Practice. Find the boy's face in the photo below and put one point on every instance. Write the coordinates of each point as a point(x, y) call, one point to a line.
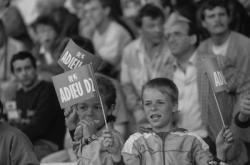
point(158, 108)
point(216, 20)
point(92, 109)
point(46, 35)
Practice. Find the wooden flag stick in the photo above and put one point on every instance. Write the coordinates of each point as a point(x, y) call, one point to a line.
point(223, 122)
point(98, 93)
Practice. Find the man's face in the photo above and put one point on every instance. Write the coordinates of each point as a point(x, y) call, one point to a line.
point(46, 35)
point(25, 72)
point(179, 40)
point(152, 29)
point(216, 20)
point(158, 108)
point(94, 11)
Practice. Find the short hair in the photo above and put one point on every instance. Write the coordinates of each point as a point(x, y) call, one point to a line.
point(107, 89)
point(21, 56)
point(211, 4)
point(164, 85)
point(149, 10)
point(46, 20)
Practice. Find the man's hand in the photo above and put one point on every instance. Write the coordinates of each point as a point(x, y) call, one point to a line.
point(244, 108)
point(224, 141)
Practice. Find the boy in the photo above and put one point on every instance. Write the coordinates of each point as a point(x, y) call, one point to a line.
point(163, 143)
point(93, 143)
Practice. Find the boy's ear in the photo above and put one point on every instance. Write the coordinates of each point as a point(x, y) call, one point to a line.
point(175, 108)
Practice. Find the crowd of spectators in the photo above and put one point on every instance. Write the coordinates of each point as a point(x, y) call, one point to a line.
point(146, 46)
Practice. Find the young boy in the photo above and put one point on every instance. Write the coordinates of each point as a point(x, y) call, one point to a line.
point(163, 143)
point(94, 144)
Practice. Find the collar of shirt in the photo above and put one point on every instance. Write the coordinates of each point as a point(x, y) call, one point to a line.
point(191, 62)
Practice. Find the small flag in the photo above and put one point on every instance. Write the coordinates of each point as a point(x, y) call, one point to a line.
point(215, 75)
point(75, 86)
point(74, 57)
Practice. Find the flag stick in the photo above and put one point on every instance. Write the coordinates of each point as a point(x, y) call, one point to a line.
point(223, 122)
point(98, 93)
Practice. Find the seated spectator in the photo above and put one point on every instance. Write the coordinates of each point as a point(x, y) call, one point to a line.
point(47, 48)
point(41, 118)
point(145, 58)
point(109, 37)
point(94, 144)
point(164, 143)
point(15, 147)
point(8, 47)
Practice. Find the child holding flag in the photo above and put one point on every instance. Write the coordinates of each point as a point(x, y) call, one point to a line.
point(93, 143)
point(163, 143)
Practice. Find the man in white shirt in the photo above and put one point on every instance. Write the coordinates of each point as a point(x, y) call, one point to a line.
point(198, 112)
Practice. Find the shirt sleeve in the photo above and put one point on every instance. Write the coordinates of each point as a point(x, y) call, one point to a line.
point(21, 152)
point(130, 152)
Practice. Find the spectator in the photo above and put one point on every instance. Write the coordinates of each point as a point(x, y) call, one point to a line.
point(199, 113)
point(164, 143)
point(109, 37)
point(145, 58)
point(41, 118)
point(232, 45)
point(47, 50)
point(94, 144)
point(16, 28)
point(15, 147)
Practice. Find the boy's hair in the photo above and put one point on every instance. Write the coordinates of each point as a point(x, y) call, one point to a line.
point(46, 20)
point(149, 10)
point(107, 89)
point(21, 56)
point(164, 85)
point(211, 4)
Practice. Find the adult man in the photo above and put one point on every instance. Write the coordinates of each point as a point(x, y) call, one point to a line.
point(232, 45)
point(15, 147)
point(41, 118)
point(198, 111)
point(145, 58)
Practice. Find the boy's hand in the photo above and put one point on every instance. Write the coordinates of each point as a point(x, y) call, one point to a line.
point(224, 141)
point(71, 118)
point(244, 107)
point(109, 144)
point(108, 139)
point(85, 128)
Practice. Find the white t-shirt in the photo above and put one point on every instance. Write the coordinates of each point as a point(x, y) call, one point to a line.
point(222, 49)
point(110, 44)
